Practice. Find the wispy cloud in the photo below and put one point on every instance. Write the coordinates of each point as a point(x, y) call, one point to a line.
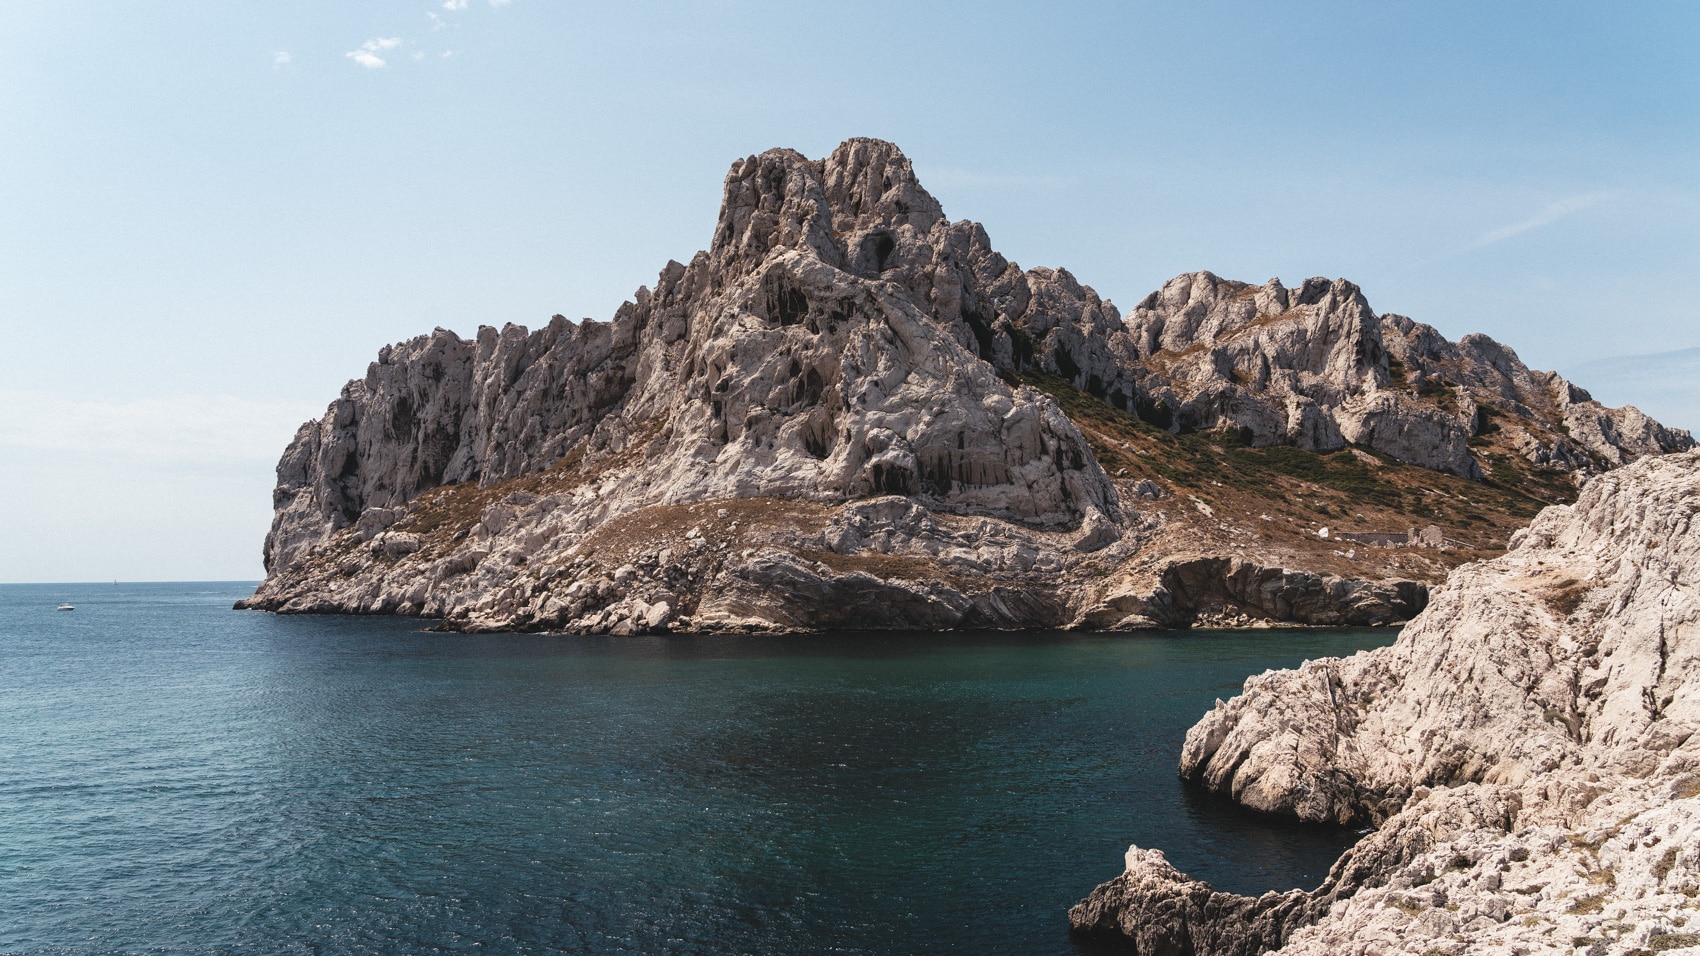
point(454, 4)
point(280, 59)
point(1546, 217)
point(367, 56)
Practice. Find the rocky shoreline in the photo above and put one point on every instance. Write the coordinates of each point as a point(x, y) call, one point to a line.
point(1528, 750)
point(743, 566)
point(851, 412)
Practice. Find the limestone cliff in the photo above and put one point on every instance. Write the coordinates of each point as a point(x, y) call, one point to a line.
point(1529, 749)
point(1314, 367)
point(851, 408)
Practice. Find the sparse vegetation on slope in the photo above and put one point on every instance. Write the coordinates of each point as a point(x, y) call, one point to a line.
point(1351, 489)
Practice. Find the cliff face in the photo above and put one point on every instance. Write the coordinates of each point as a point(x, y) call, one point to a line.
point(784, 372)
point(1314, 367)
point(1529, 748)
point(865, 370)
point(785, 362)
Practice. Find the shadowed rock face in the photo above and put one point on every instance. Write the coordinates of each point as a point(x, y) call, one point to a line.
point(841, 342)
point(1529, 749)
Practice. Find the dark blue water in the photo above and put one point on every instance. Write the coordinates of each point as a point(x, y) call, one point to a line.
point(179, 777)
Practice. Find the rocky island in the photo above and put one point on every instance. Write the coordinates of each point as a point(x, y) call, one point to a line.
point(850, 410)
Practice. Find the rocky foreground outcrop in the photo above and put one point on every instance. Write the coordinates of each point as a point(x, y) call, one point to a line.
point(1529, 751)
point(831, 415)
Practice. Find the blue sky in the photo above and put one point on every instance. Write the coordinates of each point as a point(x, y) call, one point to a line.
point(216, 213)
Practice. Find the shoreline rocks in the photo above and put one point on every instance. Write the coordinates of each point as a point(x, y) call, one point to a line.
point(1529, 750)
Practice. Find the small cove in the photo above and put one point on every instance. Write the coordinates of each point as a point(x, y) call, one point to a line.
point(189, 778)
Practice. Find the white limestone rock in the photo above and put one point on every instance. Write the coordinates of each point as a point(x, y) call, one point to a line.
point(841, 341)
point(1529, 749)
point(1315, 368)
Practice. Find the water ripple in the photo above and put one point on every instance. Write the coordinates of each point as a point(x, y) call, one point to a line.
point(182, 778)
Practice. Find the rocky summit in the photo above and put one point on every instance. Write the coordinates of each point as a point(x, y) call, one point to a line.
point(851, 411)
point(1528, 751)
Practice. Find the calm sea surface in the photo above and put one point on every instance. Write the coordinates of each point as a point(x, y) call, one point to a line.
point(178, 777)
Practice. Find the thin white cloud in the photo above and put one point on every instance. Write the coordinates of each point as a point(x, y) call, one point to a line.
point(1554, 212)
point(418, 55)
point(280, 58)
point(454, 4)
point(1546, 217)
point(367, 56)
point(446, 54)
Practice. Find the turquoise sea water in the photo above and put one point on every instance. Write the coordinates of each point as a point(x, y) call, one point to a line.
point(178, 777)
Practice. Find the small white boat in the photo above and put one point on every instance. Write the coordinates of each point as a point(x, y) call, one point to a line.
point(67, 607)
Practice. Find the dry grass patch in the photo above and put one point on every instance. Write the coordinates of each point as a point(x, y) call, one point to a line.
point(1587, 905)
point(1666, 863)
point(1565, 596)
point(648, 530)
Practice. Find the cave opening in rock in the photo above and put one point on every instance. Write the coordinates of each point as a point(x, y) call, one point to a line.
point(786, 304)
point(984, 338)
point(1066, 366)
point(884, 246)
point(893, 480)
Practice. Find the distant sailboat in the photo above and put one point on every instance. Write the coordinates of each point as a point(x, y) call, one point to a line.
point(67, 607)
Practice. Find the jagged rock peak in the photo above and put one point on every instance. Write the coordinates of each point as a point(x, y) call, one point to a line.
point(869, 182)
point(824, 352)
point(864, 193)
point(1315, 367)
point(1312, 366)
point(842, 346)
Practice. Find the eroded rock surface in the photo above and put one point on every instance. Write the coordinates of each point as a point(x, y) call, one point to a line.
point(1315, 368)
point(1528, 749)
point(851, 378)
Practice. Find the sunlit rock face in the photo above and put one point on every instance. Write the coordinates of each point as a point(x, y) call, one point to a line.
point(1314, 367)
point(1529, 751)
point(842, 343)
point(800, 359)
